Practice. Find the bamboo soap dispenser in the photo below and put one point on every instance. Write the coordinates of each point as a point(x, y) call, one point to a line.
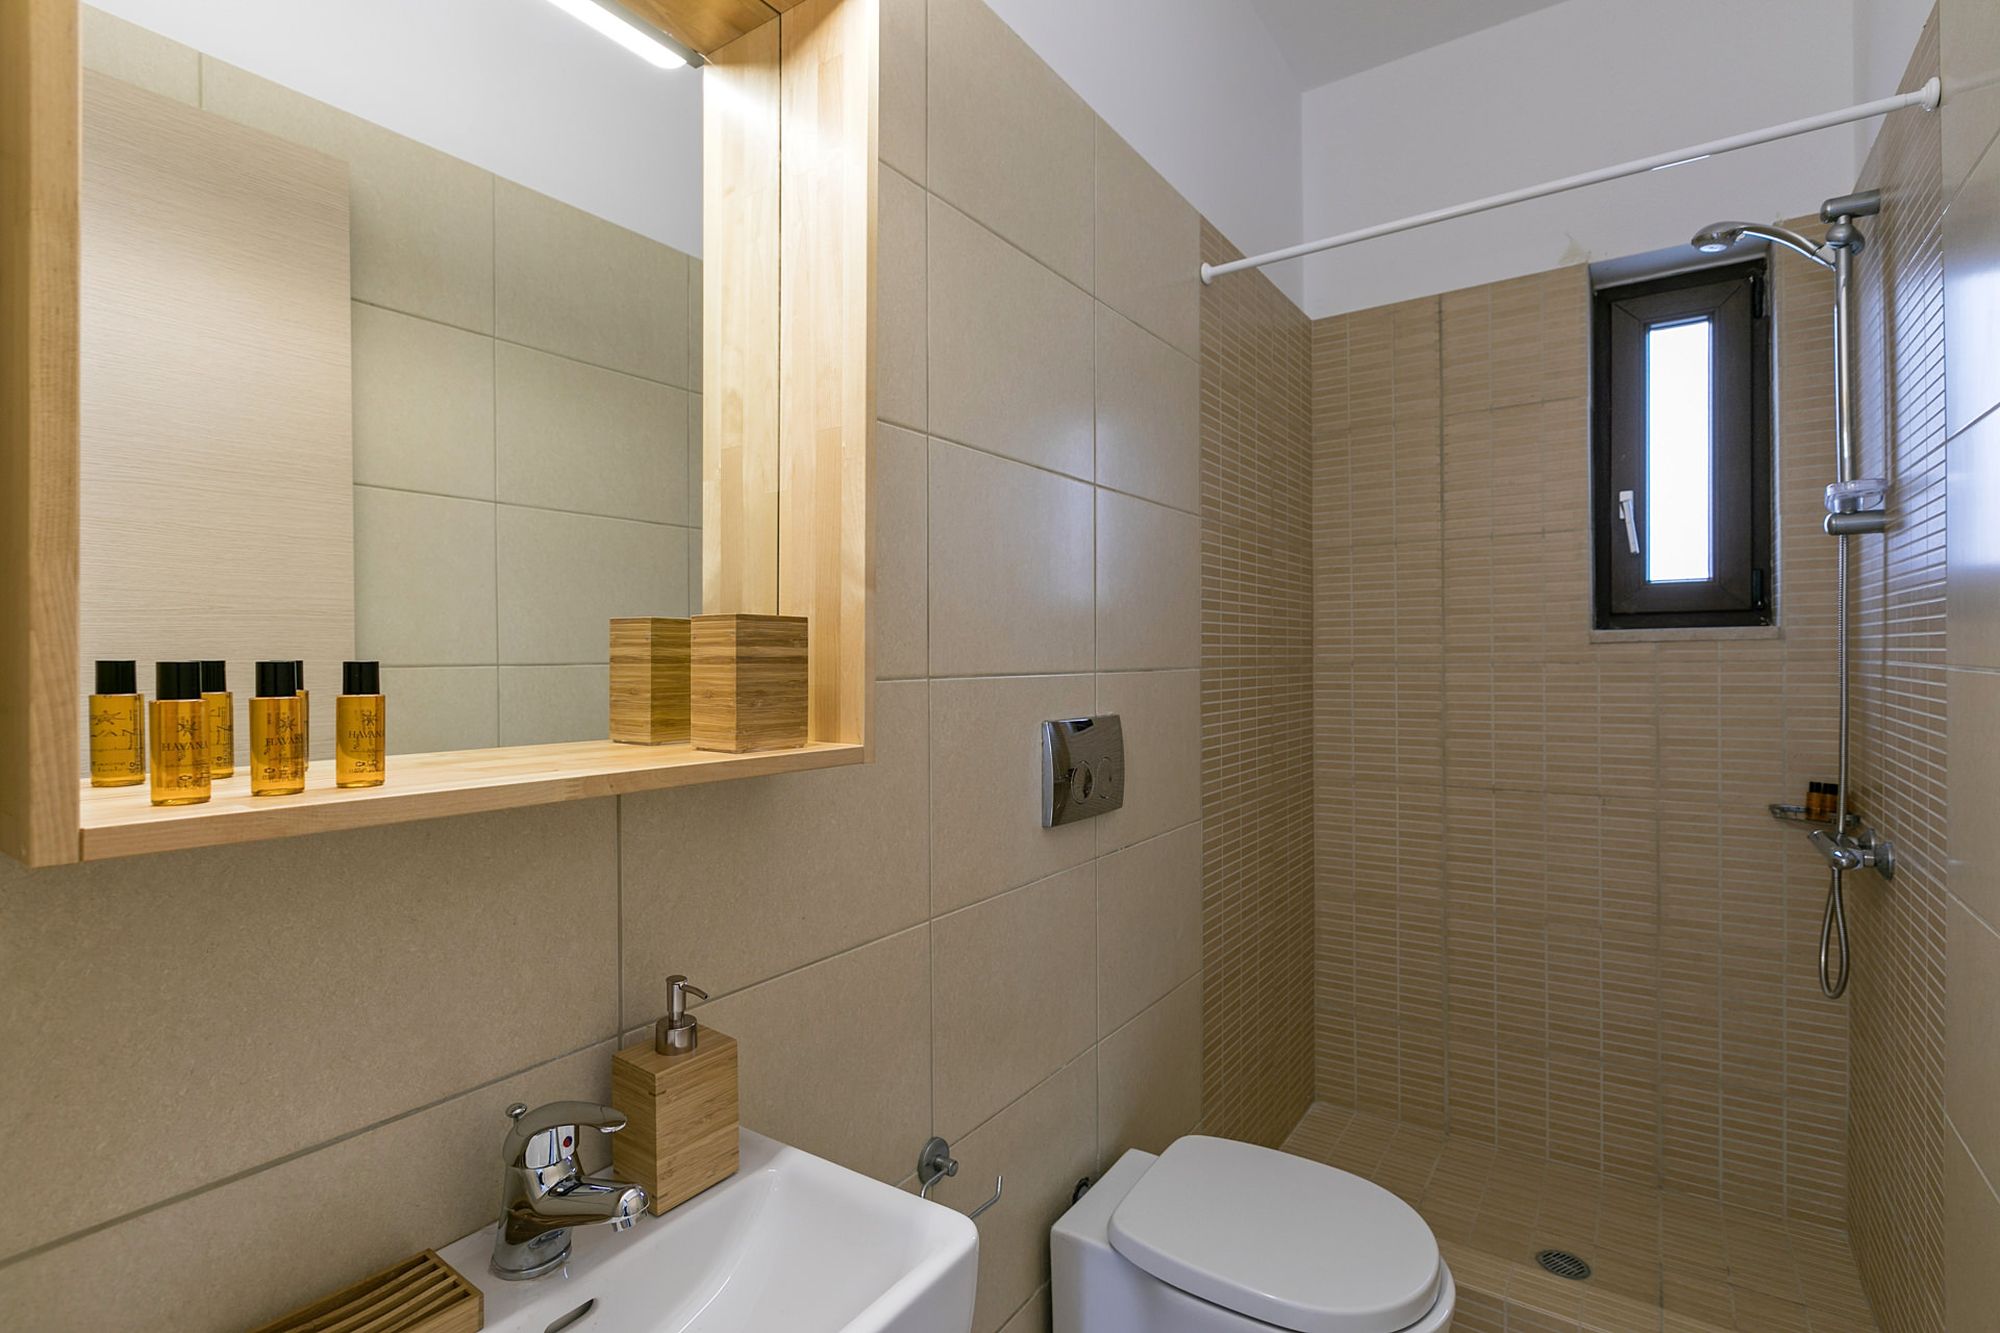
point(678, 1093)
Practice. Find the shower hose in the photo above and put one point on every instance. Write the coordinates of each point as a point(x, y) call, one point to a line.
point(1833, 923)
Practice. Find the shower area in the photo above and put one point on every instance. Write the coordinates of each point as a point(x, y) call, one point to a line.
point(1562, 965)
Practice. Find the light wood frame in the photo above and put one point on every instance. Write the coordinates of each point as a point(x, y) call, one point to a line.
point(789, 321)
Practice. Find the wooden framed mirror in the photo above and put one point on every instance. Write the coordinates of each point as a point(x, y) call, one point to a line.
point(205, 333)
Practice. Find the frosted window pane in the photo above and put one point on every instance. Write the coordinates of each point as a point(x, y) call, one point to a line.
point(1680, 461)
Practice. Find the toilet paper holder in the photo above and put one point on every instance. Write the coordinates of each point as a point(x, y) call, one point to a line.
point(935, 1163)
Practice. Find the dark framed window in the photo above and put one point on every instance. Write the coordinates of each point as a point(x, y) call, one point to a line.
point(1681, 450)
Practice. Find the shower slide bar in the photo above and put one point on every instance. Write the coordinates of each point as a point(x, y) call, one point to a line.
point(1928, 97)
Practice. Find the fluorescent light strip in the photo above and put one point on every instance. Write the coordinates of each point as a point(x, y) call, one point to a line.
point(640, 43)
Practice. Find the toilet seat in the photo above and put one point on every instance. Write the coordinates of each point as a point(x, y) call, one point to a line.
point(1280, 1239)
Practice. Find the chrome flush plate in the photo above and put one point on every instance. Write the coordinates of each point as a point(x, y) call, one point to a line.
point(1083, 768)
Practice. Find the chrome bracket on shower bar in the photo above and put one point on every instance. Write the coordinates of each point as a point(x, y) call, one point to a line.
point(1853, 851)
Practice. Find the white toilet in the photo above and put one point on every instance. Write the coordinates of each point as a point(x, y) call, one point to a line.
point(1215, 1236)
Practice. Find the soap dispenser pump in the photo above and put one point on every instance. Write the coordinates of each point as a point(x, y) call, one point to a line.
point(678, 1031)
point(678, 1093)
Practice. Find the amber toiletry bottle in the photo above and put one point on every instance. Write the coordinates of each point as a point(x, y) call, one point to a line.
point(117, 727)
point(277, 752)
point(360, 727)
point(221, 719)
point(179, 735)
point(305, 715)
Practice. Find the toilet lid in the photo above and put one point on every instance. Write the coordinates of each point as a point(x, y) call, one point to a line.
point(1279, 1238)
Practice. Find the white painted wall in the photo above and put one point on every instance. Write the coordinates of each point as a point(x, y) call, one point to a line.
point(1885, 35)
point(1583, 84)
point(514, 86)
point(1201, 90)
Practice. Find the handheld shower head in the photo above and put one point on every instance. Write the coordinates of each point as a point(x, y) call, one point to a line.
point(1713, 240)
point(1720, 236)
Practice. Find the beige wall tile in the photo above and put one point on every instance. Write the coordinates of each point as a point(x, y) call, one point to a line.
point(1148, 581)
point(441, 708)
point(1969, 56)
point(1971, 1056)
point(1013, 997)
point(902, 283)
point(139, 56)
point(574, 284)
point(1971, 316)
point(1148, 245)
point(1161, 712)
point(246, 1252)
point(1149, 1077)
point(1008, 142)
point(903, 80)
point(1032, 1317)
point(986, 800)
point(1148, 923)
point(1148, 415)
point(562, 577)
point(1010, 567)
point(735, 884)
point(423, 405)
point(1973, 586)
point(1971, 1238)
point(421, 221)
point(832, 1057)
point(423, 579)
point(543, 704)
point(289, 966)
point(1010, 349)
point(902, 553)
point(571, 436)
point(1974, 709)
point(1043, 1144)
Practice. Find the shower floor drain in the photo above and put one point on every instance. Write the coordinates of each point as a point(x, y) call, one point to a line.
point(1563, 1264)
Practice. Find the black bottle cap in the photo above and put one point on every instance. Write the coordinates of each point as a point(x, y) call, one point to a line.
point(214, 677)
point(177, 680)
point(360, 677)
point(277, 680)
point(298, 674)
point(117, 677)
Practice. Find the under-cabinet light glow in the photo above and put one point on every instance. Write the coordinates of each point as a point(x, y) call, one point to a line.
point(628, 35)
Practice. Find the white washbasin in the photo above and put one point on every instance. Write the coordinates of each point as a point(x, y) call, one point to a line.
point(789, 1242)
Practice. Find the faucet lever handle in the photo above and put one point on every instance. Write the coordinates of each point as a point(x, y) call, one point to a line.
point(555, 1115)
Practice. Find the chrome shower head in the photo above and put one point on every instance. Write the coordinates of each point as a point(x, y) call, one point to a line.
point(1713, 240)
point(1719, 237)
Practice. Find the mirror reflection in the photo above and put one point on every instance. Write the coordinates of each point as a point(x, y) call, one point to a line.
point(390, 349)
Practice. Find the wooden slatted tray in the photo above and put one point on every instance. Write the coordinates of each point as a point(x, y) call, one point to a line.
point(422, 1294)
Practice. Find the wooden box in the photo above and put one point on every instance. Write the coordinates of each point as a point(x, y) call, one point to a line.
point(749, 682)
point(422, 1294)
point(680, 1117)
point(649, 680)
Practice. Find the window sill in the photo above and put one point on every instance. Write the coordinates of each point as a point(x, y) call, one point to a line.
point(1692, 634)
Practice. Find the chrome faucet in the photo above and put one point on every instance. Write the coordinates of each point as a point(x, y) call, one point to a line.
point(543, 1192)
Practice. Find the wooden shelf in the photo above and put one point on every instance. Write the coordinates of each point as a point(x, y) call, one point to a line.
point(122, 821)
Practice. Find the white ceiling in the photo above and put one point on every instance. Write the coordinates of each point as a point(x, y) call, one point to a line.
point(1326, 40)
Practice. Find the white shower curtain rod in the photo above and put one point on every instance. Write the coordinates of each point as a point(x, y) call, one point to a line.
point(1926, 97)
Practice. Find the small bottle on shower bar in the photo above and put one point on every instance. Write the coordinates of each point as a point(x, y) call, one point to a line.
point(117, 727)
point(1815, 800)
point(180, 735)
point(277, 762)
point(360, 727)
point(221, 719)
point(305, 715)
point(1830, 809)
